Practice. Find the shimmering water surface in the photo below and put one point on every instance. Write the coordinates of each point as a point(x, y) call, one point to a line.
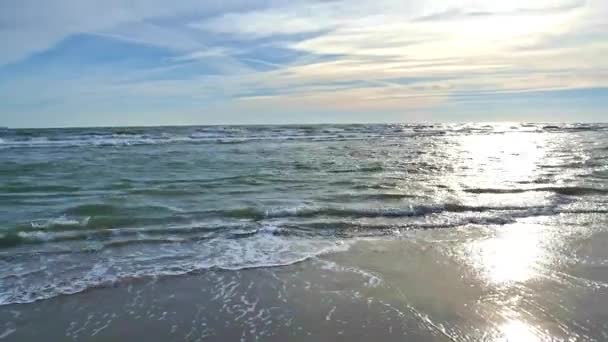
point(91, 207)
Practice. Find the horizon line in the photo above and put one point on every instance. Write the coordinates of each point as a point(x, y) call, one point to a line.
point(309, 124)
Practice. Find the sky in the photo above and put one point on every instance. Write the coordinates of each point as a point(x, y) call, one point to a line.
point(157, 62)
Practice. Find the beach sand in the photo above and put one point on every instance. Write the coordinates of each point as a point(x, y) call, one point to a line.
point(520, 282)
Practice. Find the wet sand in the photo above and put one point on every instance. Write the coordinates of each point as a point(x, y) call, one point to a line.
point(520, 282)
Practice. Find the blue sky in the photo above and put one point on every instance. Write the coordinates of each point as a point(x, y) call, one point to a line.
point(89, 62)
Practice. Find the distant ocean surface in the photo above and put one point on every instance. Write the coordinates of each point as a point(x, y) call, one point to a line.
point(89, 207)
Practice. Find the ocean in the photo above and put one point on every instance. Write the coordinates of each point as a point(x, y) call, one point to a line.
point(100, 209)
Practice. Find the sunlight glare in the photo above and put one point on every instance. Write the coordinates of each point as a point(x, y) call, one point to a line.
point(517, 331)
point(503, 158)
point(513, 255)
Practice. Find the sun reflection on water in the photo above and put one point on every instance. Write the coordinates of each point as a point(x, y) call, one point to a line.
point(492, 168)
point(500, 159)
point(517, 331)
point(507, 173)
point(512, 255)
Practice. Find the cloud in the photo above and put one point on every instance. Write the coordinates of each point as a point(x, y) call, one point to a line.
point(27, 26)
point(281, 21)
point(334, 55)
point(463, 14)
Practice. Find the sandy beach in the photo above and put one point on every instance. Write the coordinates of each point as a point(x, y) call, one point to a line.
point(521, 282)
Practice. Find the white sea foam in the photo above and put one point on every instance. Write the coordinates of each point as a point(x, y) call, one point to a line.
point(263, 249)
point(118, 139)
point(371, 279)
point(60, 221)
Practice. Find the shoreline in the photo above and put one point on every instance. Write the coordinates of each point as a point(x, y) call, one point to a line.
point(507, 283)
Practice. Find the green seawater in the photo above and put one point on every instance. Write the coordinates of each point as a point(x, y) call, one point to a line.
point(85, 207)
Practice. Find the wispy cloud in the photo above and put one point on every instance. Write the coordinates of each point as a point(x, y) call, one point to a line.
point(301, 56)
point(463, 13)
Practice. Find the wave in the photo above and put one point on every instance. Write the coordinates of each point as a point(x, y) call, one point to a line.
point(92, 137)
point(134, 253)
point(102, 141)
point(257, 214)
point(202, 247)
point(102, 209)
point(10, 240)
point(568, 191)
point(98, 221)
point(109, 229)
point(26, 188)
point(290, 221)
point(350, 229)
point(260, 250)
point(358, 197)
point(373, 168)
point(578, 127)
point(63, 221)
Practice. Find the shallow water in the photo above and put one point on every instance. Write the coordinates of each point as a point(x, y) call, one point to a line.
point(91, 207)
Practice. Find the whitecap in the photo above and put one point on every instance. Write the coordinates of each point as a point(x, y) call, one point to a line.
point(262, 249)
